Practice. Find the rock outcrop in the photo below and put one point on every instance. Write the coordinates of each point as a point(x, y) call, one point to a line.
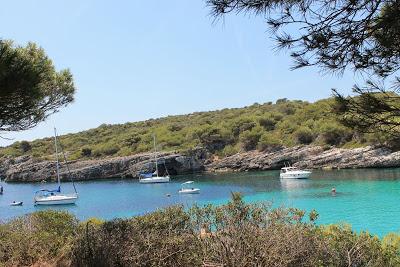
point(312, 157)
point(26, 169)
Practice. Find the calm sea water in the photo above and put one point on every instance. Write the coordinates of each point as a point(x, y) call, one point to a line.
point(368, 199)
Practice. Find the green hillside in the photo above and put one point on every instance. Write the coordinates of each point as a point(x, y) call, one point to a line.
point(224, 132)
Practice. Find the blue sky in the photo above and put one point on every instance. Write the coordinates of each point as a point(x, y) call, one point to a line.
point(135, 60)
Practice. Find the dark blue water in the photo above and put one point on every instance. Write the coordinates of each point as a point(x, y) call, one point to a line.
point(367, 199)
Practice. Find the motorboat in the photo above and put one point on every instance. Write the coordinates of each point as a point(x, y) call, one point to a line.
point(152, 178)
point(16, 203)
point(294, 173)
point(186, 189)
point(56, 197)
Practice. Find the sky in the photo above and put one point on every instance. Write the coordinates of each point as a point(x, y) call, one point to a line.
point(136, 60)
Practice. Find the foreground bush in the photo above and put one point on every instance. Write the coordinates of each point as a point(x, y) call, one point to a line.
point(43, 236)
point(161, 238)
point(235, 234)
point(254, 235)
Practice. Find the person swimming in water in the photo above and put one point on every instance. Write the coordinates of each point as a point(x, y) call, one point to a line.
point(333, 191)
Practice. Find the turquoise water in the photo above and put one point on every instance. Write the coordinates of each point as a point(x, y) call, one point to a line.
point(368, 199)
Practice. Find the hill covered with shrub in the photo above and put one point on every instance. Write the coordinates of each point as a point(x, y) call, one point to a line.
point(223, 132)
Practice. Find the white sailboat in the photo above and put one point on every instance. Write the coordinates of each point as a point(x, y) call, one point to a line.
point(55, 197)
point(152, 178)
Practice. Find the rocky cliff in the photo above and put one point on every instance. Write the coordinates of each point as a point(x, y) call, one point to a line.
point(25, 169)
point(311, 157)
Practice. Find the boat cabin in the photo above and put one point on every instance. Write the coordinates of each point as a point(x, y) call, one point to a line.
point(288, 169)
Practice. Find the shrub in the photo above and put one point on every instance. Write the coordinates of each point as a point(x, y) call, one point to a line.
point(304, 136)
point(234, 234)
point(125, 151)
point(175, 127)
point(110, 150)
point(333, 134)
point(267, 123)
point(281, 101)
point(341, 241)
point(249, 139)
point(40, 236)
point(161, 238)
point(86, 152)
point(241, 125)
point(229, 150)
point(392, 241)
point(269, 142)
point(105, 150)
point(212, 137)
point(255, 235)
point(25, 146)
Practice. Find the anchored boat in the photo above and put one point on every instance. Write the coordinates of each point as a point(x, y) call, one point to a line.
point(188, 190)
point(16, 203)
point(56, 197)
point(152, 178)
point(294, 173)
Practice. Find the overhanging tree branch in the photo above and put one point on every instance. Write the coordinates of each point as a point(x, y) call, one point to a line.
point(362, 35)
point(30, 87)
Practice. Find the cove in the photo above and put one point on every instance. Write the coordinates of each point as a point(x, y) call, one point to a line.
point(366, 198)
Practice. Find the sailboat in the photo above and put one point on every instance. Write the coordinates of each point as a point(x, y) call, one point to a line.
point(152, 178)
point(56, 197)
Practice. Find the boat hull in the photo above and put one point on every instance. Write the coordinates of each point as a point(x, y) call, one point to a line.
point(189, 191)
point(296, 175)
point(56, 200)
point(155, 180)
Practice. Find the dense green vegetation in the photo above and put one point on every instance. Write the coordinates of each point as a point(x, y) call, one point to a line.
point(224, 132)
point(235, 234)
point(31, 88)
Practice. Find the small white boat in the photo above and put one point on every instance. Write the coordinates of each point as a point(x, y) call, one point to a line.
point(16, 203)
point(186, 190)
point(55, 197)
point(294, 173)
point(153, 178)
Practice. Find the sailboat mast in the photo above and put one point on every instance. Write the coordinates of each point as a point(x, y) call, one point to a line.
point(57, 164)
point(155, 153)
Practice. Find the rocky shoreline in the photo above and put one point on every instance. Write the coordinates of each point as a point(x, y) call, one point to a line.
point(309, 157)
point(26, 169)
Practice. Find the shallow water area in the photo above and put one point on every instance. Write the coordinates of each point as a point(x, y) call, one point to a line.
point(366, 198)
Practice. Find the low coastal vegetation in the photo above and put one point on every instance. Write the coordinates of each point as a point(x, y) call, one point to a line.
point(234, 234)
point(224, 132)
